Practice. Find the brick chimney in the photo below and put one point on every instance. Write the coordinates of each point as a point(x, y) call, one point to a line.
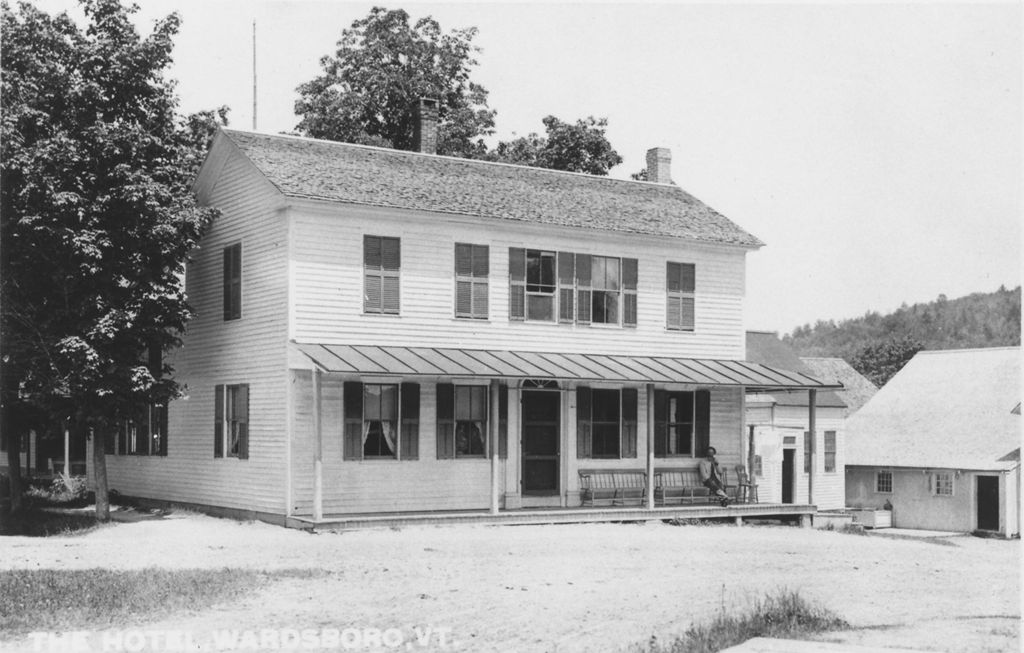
point(425, 130)
point(659, 165)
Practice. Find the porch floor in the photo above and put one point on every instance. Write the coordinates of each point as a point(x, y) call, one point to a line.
point(738, 512)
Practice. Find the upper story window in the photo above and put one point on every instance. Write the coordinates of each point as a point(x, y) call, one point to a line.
point(233, 282)
point(680, 284)
point(575, 288)
point(540, 285)
point(382, 259)
point(471, 271)
point(605, 280)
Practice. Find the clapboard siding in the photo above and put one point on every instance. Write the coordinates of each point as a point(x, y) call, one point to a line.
point(327, 286)
point(772, 425)
point(250, 350)
point(431, 484)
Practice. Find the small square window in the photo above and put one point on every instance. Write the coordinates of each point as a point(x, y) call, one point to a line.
point(942, 484)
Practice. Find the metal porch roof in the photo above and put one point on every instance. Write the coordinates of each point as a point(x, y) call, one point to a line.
point(434, 361)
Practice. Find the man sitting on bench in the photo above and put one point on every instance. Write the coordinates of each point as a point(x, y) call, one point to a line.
point(711, 476)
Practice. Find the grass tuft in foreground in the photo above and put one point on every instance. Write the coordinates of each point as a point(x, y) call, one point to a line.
point(89, 599)
point(783, 615)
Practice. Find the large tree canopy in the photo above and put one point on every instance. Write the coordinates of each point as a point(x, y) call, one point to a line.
point(580, 147)
point(97, 213)
point(381, 68)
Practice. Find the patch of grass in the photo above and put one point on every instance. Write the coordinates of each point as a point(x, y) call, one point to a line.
point(784, 615)
point(80, 599)
point(36, 521)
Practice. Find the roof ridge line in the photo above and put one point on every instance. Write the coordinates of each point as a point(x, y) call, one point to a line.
point(389, 150)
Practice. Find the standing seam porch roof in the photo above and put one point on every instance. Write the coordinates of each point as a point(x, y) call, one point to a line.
point(434, 361)
point(306, 168)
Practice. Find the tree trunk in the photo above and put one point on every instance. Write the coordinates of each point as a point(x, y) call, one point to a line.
point(99, 474)
point(13, 437)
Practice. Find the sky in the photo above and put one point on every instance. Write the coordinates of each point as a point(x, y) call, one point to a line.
point(874, 147)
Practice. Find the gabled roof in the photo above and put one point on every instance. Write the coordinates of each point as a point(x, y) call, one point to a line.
point(857, 390)
point(944, 409)
point(765, 348)
point(359, 174)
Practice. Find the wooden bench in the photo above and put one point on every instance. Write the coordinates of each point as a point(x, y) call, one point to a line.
point(612, 487)
point(684, 486)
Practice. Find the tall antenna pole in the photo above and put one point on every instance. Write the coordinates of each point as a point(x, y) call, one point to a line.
point(254, 74)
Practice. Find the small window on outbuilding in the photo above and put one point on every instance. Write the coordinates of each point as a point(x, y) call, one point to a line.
point(883, 481)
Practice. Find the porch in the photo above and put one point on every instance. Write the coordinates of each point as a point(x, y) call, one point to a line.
point(534, 516)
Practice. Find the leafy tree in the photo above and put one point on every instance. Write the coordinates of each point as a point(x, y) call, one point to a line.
point(580, 147)
point(880, 362)
point(97, 216)
point(383, 65)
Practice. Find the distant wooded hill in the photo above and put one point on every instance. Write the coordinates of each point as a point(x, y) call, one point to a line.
point(877, 345)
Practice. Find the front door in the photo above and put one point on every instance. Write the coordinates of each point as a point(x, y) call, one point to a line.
point(988, 503)
point(541, 419)
point(788, 460)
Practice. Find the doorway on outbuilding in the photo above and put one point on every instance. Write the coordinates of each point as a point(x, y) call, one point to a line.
point(788, 477)
point(988, 503)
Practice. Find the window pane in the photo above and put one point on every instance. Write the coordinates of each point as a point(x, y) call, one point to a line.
point(688, 281)
point(480, 261)
point(540, 271)
point(540, 307)
point(612, 281)
point(463, 259)
point(463, 298)
point(389, 402)
point(480, 299)
point(371, 402)
point(605, 405)
point(371, 252)
point(605, 440)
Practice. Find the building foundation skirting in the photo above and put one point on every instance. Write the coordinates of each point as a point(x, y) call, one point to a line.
point(239, 514)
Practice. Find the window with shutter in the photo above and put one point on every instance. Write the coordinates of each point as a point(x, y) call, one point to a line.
point(472, 267)
point(382, 261)
point(629, 284)
point(566, 287)
point(807, 452)
point(517, 283)
point(445, 410)
point(583, 291)
point(352, 399)
point(233, 282)
point(410, 415)
point(629, 422)
point(380, 420)
point(606, 423)
point(830, 451)
point(680, 284)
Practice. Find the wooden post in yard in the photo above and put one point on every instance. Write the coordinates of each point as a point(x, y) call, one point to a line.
point(318, 451)
point(650, 445)
point(495, 425)
point(812, 396)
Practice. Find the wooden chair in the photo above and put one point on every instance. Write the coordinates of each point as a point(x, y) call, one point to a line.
point(746, 487)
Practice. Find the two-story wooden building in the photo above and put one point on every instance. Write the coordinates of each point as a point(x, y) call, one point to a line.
point(383, 331)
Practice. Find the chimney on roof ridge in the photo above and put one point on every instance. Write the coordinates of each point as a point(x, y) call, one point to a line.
point(659, 165)
point(425, 129)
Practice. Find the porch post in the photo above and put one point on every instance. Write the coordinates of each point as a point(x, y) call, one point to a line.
point(650, 445)
point(495, 428)
point(812, 396)
point(318, 451)
point(750, 452)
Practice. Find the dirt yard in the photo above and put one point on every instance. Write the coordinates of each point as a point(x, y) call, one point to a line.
point(560, 588)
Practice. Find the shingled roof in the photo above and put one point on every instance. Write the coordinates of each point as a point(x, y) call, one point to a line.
point(945, 409)
point(359, 174)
